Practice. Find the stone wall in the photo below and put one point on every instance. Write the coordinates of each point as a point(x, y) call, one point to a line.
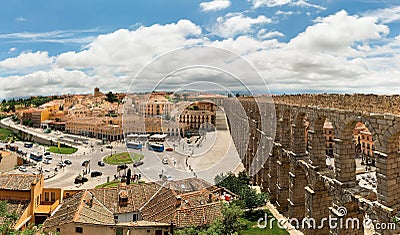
point(295, 174)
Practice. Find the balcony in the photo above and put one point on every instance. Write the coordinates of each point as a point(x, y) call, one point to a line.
point(47, 207)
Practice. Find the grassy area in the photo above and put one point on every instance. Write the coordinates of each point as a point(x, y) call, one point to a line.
point(115, 183)
point(109, 184)
point(123, 158)
point(251, 219)
point(63, 150)
point(4, 133)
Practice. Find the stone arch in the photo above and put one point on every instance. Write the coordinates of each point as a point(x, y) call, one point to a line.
point(286, 130)
point(317, 142)
point(317, 203)
point(388, 187)
point(345, 163)
point(299, 133)
point(298, 180)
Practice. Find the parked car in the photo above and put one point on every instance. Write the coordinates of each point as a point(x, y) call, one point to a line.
point(169, 149)
point(165, 161)
point(46, 153)
point(61, 164)
point(136, 164)
point(22, 168)
point(47, 161)
point(68, 162)
point(95, 173)
point(109, 146)
point(101, 163)
point(49, 157)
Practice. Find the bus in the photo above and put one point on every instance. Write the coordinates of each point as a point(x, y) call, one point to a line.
point(36, 156)
point(156, 147)
point(134, 145)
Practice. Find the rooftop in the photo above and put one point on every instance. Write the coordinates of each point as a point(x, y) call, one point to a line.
point(20, 182)
point(82, 207)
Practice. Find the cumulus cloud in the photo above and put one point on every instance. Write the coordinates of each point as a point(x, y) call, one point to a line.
point(125, 50)
point(338, 33)
point(26, 60)
point(334, 54)
point(264, 34)
point(269, 3)
point(215, 5)
point(233, 24)
point(278, 3)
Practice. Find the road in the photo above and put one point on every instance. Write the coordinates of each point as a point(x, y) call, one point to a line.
point(215, 154)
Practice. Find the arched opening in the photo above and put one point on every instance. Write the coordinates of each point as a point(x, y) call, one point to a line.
point(283, 165)
point(354, 157)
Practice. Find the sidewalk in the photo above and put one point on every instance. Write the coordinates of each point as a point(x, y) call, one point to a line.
point(291, 230)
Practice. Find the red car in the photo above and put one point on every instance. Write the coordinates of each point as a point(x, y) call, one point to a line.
point(169, 149)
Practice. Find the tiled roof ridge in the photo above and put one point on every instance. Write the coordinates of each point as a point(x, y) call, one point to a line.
point(199, 206)
point(79, 207)
point(8, 181)
point(99, 212)
point(201, 191)
point(162, 202)
point(158, 212)
point(162, 186)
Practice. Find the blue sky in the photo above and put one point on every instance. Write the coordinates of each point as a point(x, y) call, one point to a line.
point(296, 45)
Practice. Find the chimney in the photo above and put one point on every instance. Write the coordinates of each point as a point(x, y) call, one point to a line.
point(178, 201)
point(209, 198)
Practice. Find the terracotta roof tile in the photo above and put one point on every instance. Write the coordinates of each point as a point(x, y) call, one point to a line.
point(15, 206)
point(199, 215)
point(82, 207)
point(18, 181)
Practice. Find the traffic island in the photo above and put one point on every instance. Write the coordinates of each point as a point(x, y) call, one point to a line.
point(123, 158)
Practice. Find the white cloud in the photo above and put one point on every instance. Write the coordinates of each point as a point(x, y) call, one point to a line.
point(20, 19)
point(386, 15)
point(285, 13)
point(333, 54)
point(125, 50)
point(269, 3)
point(338, 33)
point(55, 81)
point(27, 60)
point(303, 3)
point(264, 34)
point(58, 36)
point(215, 5)
point(233, 24)
point(277, 3)
point(12, 49)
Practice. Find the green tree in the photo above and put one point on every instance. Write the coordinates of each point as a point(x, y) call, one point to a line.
point(187, 231)
point(239, 185)
point(110, 97)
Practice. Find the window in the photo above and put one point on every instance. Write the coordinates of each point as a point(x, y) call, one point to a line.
point(46, 196)
point(78, 229)
point(119, 231)
point(135, 217)
point(53, 196)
